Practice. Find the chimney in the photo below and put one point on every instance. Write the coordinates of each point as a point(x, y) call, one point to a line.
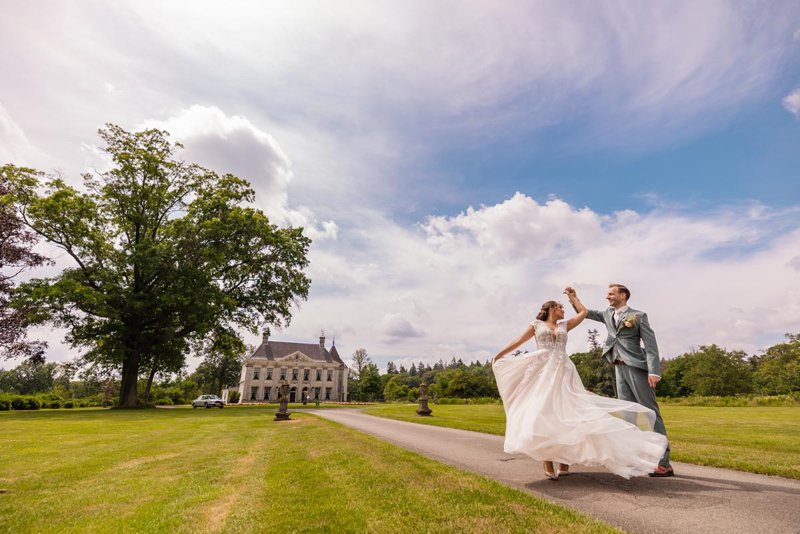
point(322, 340)
point(265, 336)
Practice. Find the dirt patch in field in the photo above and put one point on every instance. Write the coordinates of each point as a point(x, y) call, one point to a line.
point(136, 462)
point(217, 513)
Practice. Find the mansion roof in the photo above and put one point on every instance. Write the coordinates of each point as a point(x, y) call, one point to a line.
point(277, 350)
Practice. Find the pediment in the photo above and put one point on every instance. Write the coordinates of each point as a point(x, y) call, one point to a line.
point(295, 356)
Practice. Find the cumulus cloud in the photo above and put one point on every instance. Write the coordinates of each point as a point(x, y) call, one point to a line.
point(792, 103)
point(519, 227)
point(233, 144)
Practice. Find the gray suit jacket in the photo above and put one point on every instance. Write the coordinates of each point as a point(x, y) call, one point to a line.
point(626, 339)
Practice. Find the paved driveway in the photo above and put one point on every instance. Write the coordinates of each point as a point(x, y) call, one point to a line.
point(697, 500)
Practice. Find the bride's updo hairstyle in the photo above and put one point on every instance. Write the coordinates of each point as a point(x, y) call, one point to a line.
point(544, 313)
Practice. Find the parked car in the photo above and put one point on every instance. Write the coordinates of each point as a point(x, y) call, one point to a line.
point(208, 401)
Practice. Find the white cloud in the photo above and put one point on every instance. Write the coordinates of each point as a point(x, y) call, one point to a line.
point(792, 103)
point(233, 144)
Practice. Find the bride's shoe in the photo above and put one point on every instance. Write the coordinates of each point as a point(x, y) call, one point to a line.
point(549, 471)
point(562, 471)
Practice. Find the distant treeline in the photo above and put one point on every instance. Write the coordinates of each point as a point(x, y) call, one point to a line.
point(709, 370)
point(446, 380)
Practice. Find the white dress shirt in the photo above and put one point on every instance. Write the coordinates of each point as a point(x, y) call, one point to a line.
point(618, 313)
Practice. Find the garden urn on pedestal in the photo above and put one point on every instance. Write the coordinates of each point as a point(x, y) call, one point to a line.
point(283, 397)
point(423, 401)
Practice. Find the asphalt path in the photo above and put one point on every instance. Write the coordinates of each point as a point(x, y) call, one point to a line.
point(697, 500)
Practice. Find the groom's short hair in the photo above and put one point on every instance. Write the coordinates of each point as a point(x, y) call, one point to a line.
point(622, 289)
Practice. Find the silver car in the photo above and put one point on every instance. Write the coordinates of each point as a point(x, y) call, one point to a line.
point(208, 401)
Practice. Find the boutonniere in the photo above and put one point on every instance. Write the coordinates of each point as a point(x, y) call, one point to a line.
point(629, 321)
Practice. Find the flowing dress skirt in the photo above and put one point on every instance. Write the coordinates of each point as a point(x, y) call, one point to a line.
point(551, 416)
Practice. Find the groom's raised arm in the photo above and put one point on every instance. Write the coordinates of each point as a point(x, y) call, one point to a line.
point(595, 315)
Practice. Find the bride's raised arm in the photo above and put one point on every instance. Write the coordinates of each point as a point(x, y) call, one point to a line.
point(579, 307)
point(523, 337)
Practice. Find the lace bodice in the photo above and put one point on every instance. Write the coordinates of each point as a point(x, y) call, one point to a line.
point(545, 338)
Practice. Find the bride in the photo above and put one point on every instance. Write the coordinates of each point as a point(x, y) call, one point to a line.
point(551, 417)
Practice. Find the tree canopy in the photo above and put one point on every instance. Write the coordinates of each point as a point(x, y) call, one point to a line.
point(16, 256)
point(164, 253)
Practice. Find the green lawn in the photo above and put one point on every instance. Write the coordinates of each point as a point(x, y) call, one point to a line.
point(236, 470)
point(756, 439)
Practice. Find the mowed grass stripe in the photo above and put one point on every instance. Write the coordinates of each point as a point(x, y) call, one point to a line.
point(762, 440)
point(226, 470)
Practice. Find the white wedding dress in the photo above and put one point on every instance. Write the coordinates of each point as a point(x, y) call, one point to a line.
point(551, 416)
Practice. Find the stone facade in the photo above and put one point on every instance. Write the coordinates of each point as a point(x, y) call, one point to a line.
point(309, 368)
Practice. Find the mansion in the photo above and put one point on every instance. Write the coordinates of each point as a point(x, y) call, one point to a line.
point(311, 370)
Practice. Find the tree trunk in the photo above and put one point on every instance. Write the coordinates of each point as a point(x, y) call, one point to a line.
point(149, 383)
point(128, 397)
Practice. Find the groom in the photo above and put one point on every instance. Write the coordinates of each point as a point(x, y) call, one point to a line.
point(637, 371)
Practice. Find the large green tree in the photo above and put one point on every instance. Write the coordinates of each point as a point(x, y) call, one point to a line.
point(716, 371)
point(672, 383)
point(29, 377)
point(164, 252)
point(369, 383)
point(778, 369)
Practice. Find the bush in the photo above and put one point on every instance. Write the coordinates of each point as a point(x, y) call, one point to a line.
point(21, 402)
point(68, 404)
point(51, 403)
point(164, 401)
point(50, 400)
point(5, 404)
point(233, 398)
point(792, 399)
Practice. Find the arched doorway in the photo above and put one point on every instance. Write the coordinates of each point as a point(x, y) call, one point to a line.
point(293, 394)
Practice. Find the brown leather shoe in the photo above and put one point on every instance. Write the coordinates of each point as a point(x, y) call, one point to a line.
point(662, 471)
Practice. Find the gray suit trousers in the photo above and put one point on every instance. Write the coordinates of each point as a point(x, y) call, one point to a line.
point(632, 386)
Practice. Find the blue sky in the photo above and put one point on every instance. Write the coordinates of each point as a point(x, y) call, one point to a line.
point(458, 163)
